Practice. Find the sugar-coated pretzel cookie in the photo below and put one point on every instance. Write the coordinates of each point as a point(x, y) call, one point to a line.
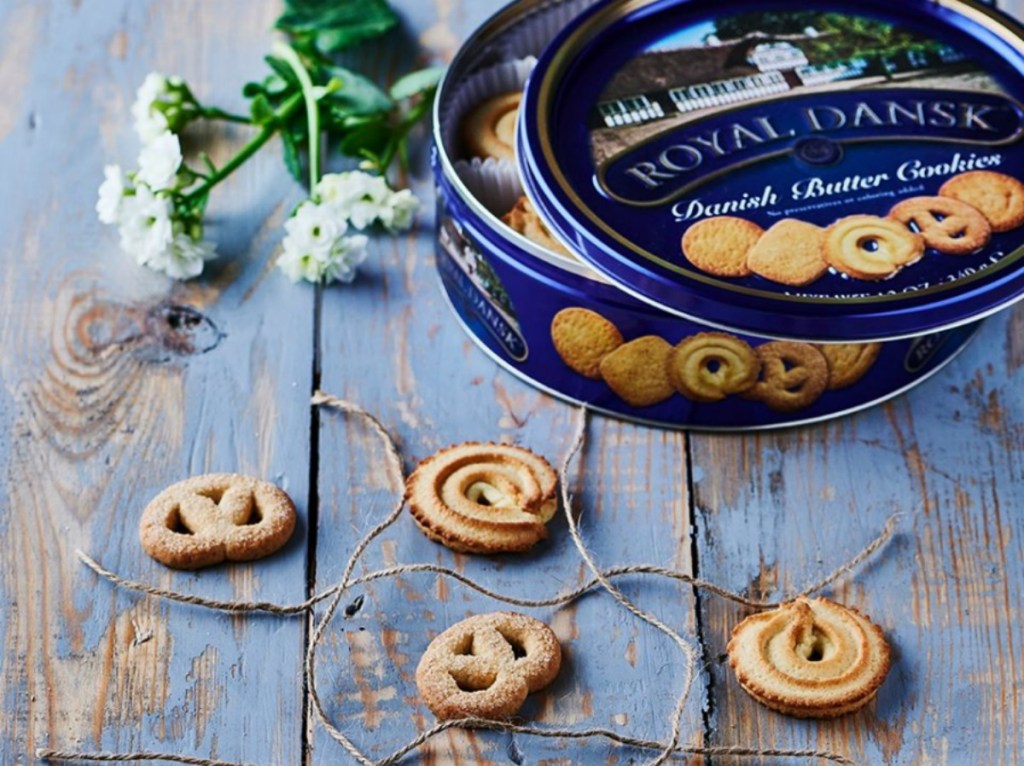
point(712, 365)
point(483, 498)
point(583, 338)
point(218, 517)
point(489, 129)
point(638, 371)
point(947, 225)
point(720, 245)
point(486, 665)
point(524, 219)
point(793, 376)
point(997, 196)
point(789, 253)
point(848, 362)
point(871, 248)
point(810, 658)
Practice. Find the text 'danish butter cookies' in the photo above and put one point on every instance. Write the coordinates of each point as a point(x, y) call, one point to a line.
point(583, 338)
point(789, 253)
point(998, 197)
point(720, 246)
point(793, 376)
point(524, 219)
point(811, 658)
point(218, 517)
point(489, 130)
point(848, 362)
point(871, 248)
point(483, 498)
point(486, 665)
point(710, 366)
point(947, 225)
point(638, 371)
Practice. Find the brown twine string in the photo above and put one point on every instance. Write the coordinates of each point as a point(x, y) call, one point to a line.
point(601, 578)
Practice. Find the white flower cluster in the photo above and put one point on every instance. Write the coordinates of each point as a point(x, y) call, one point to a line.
point(142, 203)
point(318, 247)
point(161, 104)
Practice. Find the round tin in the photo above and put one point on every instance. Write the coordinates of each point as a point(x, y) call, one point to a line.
point(507, 291)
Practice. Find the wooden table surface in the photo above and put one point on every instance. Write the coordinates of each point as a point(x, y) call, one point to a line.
point(115, 383)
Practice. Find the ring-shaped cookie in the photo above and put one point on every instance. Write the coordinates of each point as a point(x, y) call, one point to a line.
point(710, 366)
point(483, 498)
point(810, 658)
point(486, 665)
point(489, 130)
point(947, 225)
point(871, 248)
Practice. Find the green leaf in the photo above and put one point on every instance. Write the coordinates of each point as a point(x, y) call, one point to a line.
point(292, 157)
point(373, 139)
point(336, 24)
point(261, 110)
point(358, 94)
point(417, 82)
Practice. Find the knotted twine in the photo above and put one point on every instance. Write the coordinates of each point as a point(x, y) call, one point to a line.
point(601, 577)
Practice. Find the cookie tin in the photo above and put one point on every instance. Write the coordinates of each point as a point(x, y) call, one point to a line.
point(583, 326)
point(662, 138)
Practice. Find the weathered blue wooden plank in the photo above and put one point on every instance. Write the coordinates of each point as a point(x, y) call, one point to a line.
point(99, 411)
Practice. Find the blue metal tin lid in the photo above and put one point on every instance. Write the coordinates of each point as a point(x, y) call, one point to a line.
point(852, 172)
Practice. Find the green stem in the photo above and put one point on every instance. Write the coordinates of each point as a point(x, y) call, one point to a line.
point(312, 111)
point(216, 113)
point(254, 144)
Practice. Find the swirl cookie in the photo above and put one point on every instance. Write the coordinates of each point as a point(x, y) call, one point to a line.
point(711, 366)
point(583, 339)
point(871, 248)
point(524, 219)
point(811, 658)
point(638, 371)
point(998, 197)
point(789, 253)
point(218, 517)
point(489, 130)
point(793, 376)
point(947, 225)
point(485, 666)
point(483, 498)
point(720, 246)
point(848, 362)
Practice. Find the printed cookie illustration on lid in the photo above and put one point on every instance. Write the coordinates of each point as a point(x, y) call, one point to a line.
point(668, 139)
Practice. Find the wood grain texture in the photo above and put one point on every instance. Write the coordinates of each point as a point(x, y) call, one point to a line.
point(115, 384)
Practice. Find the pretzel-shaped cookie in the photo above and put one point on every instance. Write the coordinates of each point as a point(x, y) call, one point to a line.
point(947, 225)
point(810, 658)
point(793, 376)
point(483, 498)
point(871, 248)
point(712, 365)
point(486, 665)
point(208, 519)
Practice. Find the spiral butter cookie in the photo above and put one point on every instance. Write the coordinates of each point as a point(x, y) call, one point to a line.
point(483, 498)
point(638, 371)
point(848, 362)
point(810, 658)
point(789, 253)
point(583, 338)
point(720, 245)
point(998, 197)
point(524, 219)
point(486, 665)
point(793, 376)
point(947, 225)
point(871, 248)
point(490, 129)
point(218, 517)
point(712, 365)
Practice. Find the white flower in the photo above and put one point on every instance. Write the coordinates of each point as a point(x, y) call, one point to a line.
point(316, 248)
point(146, 225)
point(184, 257)
point(159, 161)
point(360, 197)
point(111, 194)
point(400, 210)
point(149, 122)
